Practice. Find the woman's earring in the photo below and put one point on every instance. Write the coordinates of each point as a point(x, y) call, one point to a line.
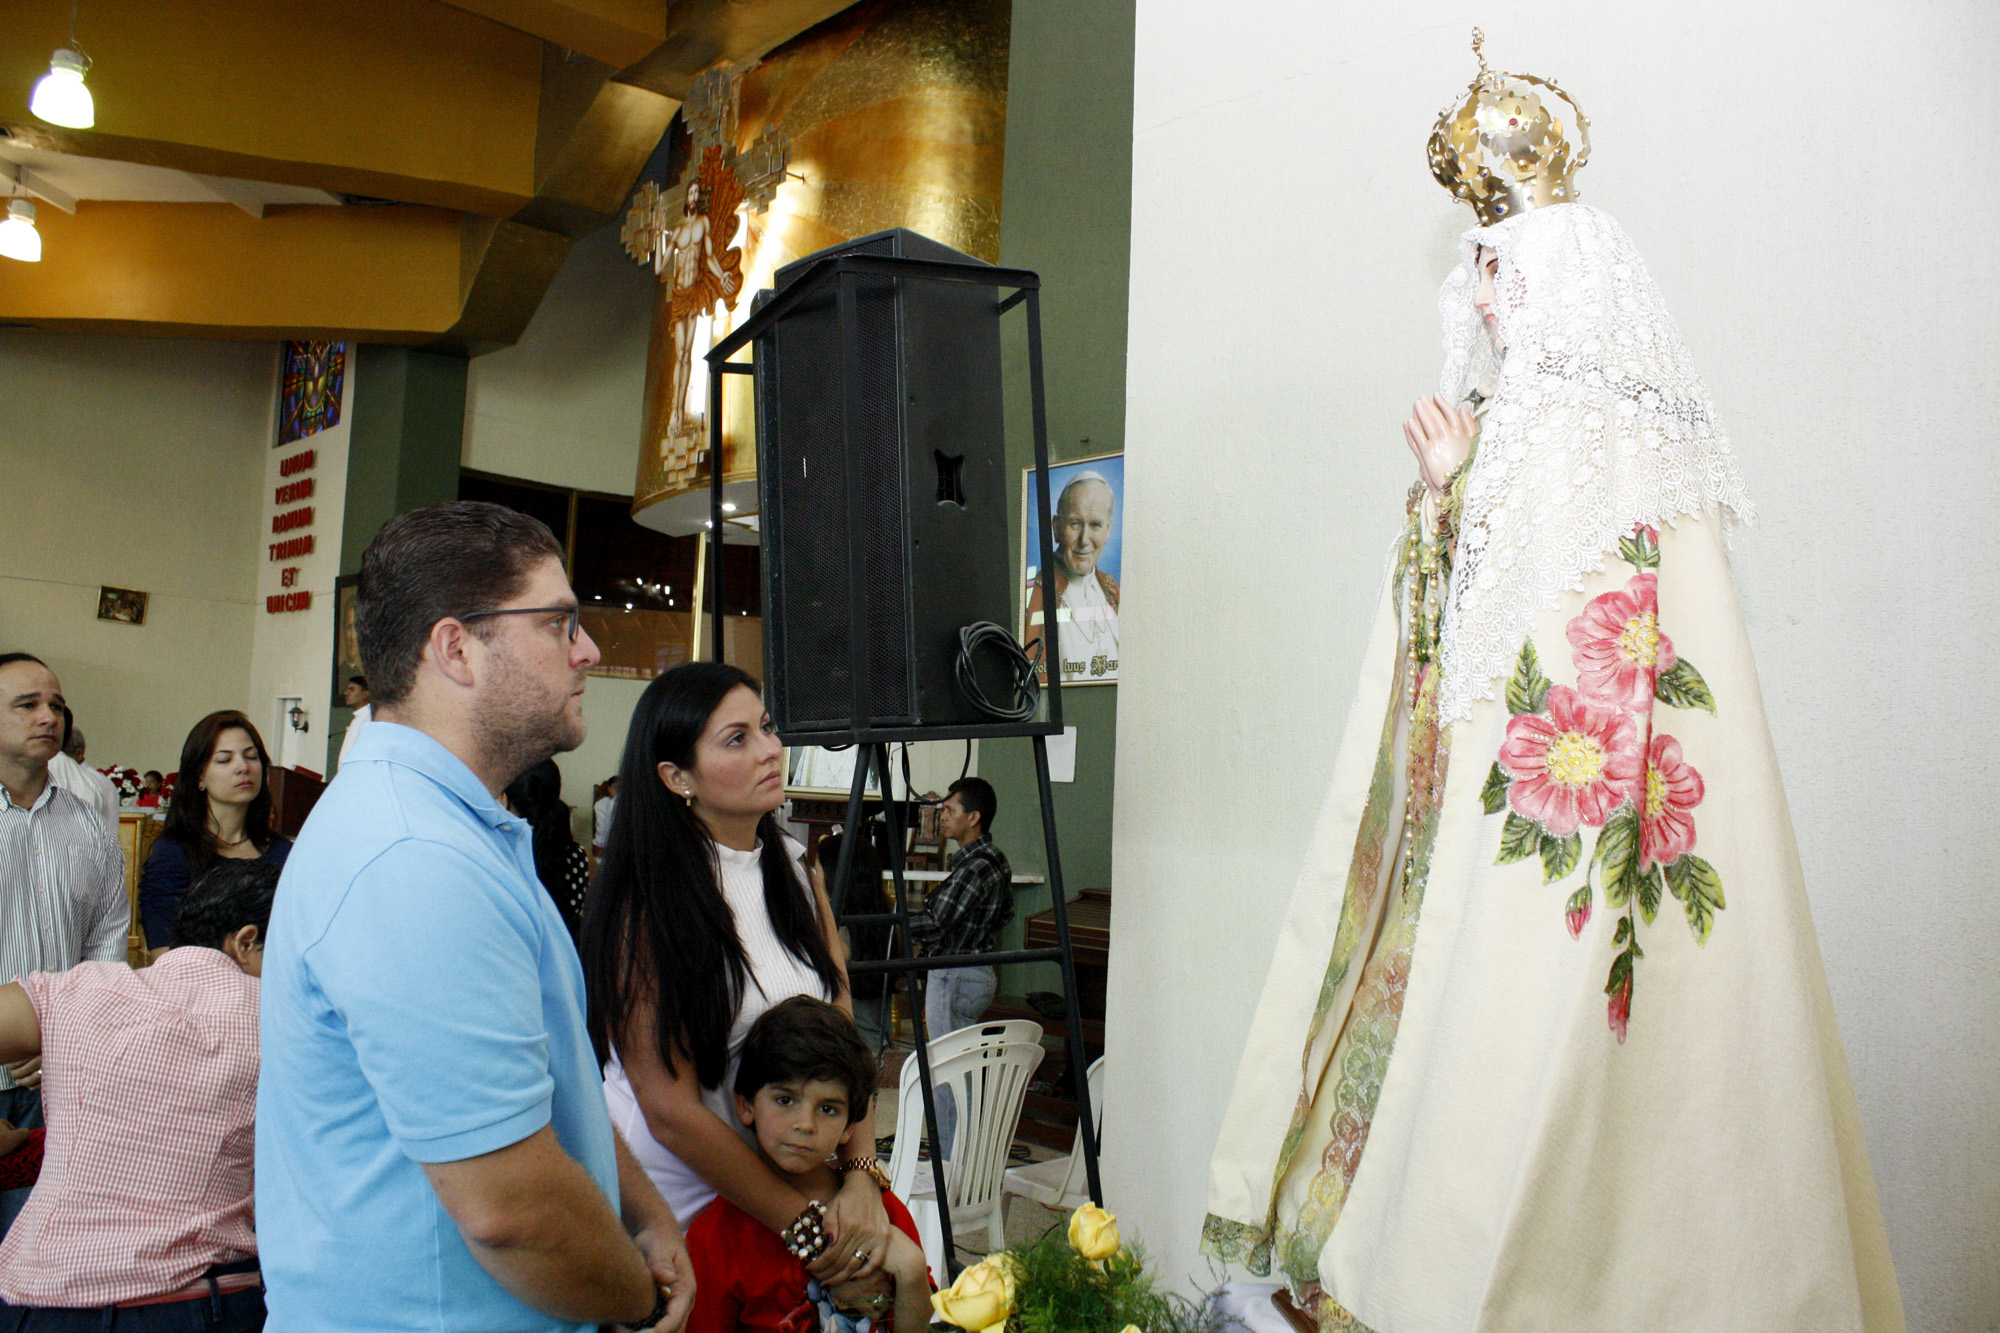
point(688, 796)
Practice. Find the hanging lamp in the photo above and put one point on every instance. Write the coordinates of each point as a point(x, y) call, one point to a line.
point(60, 97)
point(18, 237)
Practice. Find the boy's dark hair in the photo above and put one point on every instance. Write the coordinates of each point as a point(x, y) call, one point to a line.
point(803, 1038)
point(362, 681)
point(442, 560)
point(976, 795)
point(233, 895)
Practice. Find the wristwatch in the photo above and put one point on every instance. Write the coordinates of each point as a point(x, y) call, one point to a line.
point(868, 1166)
point(659, 1312)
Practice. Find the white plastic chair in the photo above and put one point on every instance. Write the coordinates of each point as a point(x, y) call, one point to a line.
point(988, 1066)
point(1061, 1183)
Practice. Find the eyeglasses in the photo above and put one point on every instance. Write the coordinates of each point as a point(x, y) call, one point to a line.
point(572, 613)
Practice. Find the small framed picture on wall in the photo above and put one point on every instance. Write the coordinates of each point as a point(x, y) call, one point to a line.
point(346, 638)
point(1086, 511)
point(127, 606)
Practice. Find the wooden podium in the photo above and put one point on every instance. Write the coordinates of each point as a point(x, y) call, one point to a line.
point(294, 792)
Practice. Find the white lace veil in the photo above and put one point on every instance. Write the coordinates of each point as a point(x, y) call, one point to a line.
point(1598, 422)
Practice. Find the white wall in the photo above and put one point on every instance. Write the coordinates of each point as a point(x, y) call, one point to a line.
point(134, 462)
point(292, 651)
point(1804, 183)
point(562, 405)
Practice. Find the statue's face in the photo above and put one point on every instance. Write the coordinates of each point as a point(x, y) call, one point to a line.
point(694, 204)
point(1486, 263)
point(1084, 517)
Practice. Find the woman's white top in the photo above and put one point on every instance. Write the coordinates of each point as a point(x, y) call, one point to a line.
point(775, 975)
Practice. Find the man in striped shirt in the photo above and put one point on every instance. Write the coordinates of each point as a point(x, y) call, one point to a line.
point(61, 900)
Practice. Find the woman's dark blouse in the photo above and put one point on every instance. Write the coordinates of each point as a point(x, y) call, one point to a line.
point(164, 882)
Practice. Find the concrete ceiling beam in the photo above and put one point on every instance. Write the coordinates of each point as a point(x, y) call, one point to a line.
point(30, 181)
point(616, 32)
point(702, 33)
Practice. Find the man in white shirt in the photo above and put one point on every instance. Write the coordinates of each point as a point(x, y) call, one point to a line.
point(86, 783)
point(607, 805)
point(355, 696)
point(62, 895)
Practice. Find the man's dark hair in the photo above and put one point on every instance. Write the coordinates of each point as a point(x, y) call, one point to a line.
point(803, 1038)
point(233, 895)
point(442, 560)
point(976, 795)
point(69, 729)
point(362, 681)
point(8, 659)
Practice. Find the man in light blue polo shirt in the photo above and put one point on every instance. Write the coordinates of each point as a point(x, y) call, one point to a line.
point(433, 1150)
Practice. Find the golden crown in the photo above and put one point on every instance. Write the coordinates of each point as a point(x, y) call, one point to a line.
point(1514, 143)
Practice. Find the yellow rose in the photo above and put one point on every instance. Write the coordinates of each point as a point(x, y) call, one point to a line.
point(1094, 1232)
point(980, 1300)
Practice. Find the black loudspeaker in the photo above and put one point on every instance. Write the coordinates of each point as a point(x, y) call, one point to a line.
point(882, 485)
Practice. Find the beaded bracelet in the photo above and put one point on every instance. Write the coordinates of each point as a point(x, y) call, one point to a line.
point(806, 1237)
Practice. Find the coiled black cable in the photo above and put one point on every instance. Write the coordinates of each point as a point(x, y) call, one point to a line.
point(1022, 668)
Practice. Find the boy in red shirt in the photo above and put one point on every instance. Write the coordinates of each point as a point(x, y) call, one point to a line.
point(805, 1076)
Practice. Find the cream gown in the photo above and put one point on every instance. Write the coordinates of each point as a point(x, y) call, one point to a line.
point(1546, 1043)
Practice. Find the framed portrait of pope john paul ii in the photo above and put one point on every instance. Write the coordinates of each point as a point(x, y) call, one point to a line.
point(1086, 517)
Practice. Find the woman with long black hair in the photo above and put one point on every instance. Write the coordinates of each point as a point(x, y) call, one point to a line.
point(221, 811)
point(703, 918)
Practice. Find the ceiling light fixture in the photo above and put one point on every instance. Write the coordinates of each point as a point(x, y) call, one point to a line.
point(728, 506)
point(60, 97)
point(18, 237)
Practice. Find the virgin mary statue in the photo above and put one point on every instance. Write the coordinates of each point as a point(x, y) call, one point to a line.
point(1546, 1044)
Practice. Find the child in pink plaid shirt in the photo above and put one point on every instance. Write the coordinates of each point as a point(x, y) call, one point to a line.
point(143, 1210)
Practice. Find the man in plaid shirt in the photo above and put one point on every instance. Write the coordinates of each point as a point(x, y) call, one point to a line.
point(962, 916)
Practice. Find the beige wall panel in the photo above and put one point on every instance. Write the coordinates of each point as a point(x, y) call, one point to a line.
point(136, 463)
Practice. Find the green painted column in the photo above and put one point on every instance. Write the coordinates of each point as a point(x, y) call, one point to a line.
point(1068, 216)
point(404, 441)
point(405, 436)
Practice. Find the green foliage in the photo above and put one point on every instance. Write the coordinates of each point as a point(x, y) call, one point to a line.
point(1640, 550)
point(1519, 839)
point(1683, 687)
point(1528, 690)
point(1615, 862)
point(1057, 1290)
point(1699, 888)
point(1559, 855)
point(1494, 794)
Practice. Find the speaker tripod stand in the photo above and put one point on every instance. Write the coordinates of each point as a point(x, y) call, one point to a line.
point(876, 756)
point(879, 362)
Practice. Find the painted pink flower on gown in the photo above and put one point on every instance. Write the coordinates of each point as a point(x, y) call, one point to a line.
point(1617, 645)
point(1673, 790)
point(1574, 766)
point(1618, 1009)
